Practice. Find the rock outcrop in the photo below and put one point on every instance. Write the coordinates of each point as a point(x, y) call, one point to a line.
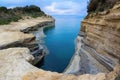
point(14, 38)
point(16, 35)
point(97, 45)
point(15, 65)
point(102, 35)
point(28, 25)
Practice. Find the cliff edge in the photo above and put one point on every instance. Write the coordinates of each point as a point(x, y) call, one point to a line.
point(97, 45)
point(101, 36)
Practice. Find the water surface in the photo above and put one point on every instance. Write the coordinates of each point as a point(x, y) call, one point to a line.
point(60, 41)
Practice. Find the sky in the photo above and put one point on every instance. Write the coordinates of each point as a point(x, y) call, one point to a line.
point(52, 7)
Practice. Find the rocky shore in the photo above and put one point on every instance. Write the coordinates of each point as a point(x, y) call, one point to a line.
point(20, 34)
point(15, 64)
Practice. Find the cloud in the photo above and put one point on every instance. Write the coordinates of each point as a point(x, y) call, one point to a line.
point(52, 7)
point(66, 8)
point(11, 7)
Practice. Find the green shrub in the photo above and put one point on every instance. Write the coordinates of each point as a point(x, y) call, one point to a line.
point(3, 9)
point(100, 5)
point(9, 15)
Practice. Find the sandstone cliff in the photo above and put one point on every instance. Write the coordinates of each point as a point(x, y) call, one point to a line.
point(15, 65)
point(16, 35)
point(97, 45)
point(101, 36)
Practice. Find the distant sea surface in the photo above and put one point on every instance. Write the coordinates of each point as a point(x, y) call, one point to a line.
point(60, 41)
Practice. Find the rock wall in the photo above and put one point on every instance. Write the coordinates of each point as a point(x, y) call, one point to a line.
point(98, 43)
point(102, 35)
point(20, 34)
point(15, 65)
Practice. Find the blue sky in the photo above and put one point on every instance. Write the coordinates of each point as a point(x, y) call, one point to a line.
point(52, 7)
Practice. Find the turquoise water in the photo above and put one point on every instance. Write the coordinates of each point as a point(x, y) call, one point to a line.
point(60, 42)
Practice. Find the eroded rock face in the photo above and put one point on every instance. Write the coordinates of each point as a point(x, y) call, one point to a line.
point(10, 38)
point(15, 65)
point(16, 35)
point(97, 46)
point(28, 25)
point(99, 41)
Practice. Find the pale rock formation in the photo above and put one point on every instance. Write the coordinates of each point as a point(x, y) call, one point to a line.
point(98, 43)
point(15, 65)
point(12, 35)
point(27, 25)
point(10, 38)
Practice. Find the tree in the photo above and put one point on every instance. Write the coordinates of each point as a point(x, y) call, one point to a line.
point(32, 8)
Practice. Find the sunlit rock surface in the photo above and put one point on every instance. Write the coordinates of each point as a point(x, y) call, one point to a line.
point(27, 25)
point(26, 33)
point(10, 38)
point(15, 65)
point(102, 34)
point(98, 43)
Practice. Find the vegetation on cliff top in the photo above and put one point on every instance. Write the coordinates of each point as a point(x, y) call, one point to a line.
point(14, 14)
point(100, 5)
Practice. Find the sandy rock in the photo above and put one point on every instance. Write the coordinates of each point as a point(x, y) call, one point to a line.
point(14, 63)
point(27, 25)
point(12, 38)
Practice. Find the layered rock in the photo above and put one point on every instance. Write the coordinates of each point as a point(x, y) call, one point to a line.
point(102, 34)
point(28, 25)
point(16, 35)
point(97, 45)
point(12, 39)
point(15, 65)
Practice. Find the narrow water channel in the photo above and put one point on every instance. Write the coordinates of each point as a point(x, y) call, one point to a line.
point(60, 41)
